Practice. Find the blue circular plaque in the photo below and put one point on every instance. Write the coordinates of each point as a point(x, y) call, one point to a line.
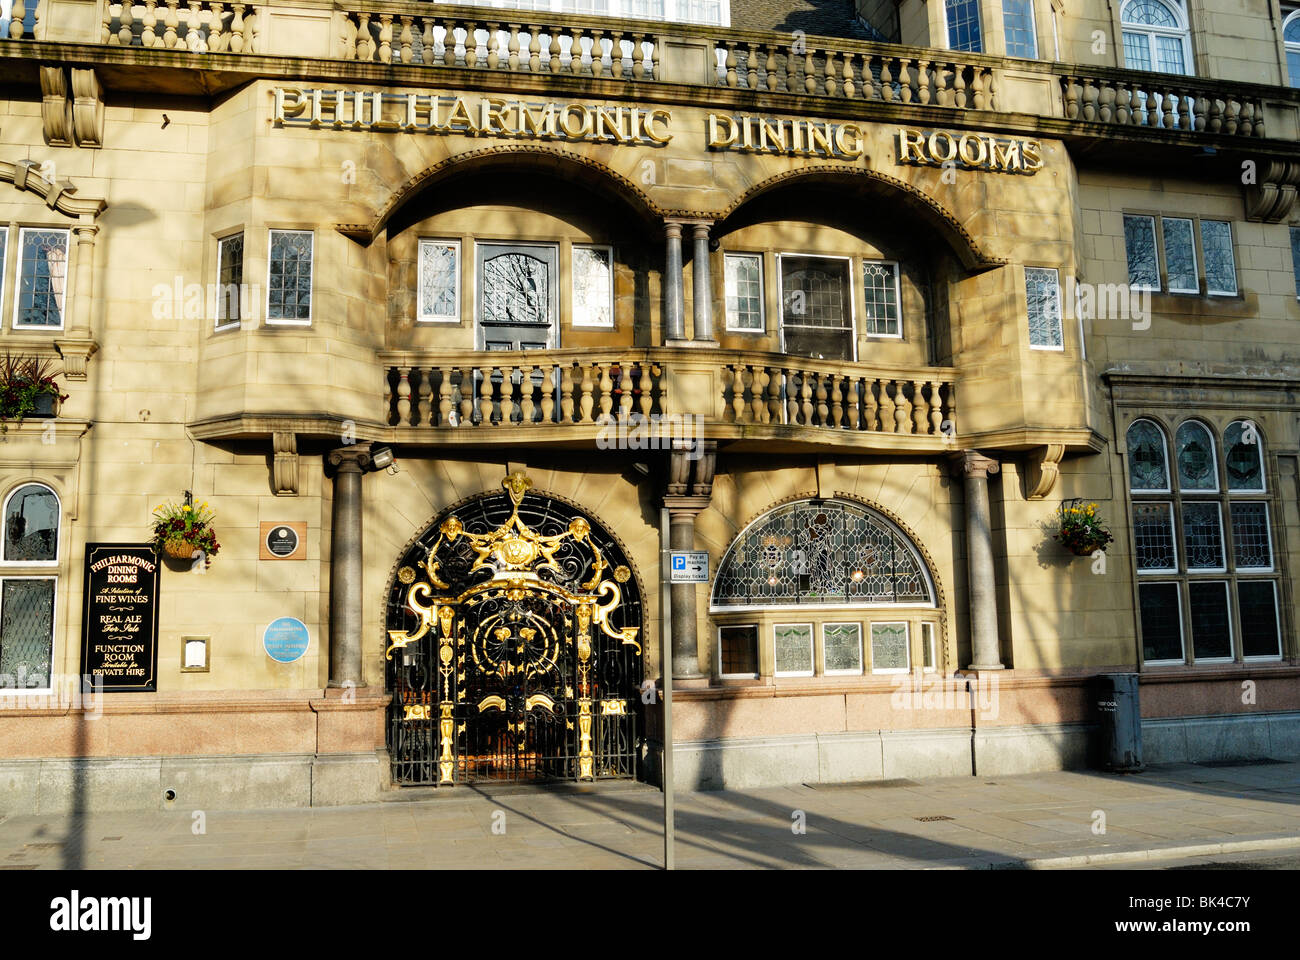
point(286, 640)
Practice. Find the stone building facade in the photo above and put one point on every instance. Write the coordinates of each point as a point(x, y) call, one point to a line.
point(855, 310)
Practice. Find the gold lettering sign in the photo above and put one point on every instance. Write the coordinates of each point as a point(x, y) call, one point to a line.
point(795, 138)
point(971, 151)
point(484, 117)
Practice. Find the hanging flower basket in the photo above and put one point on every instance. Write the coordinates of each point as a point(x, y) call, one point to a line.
point(1081, 529)
point(182, 531)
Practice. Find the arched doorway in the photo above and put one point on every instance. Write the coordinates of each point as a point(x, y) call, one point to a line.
point(514, 646)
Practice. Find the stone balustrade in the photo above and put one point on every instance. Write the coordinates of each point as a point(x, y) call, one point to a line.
point(198, 26)
point(1160, 100)
point(839, 396)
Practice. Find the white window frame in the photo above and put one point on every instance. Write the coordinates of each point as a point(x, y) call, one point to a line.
point(898, 300)
point(1182, 32)
point(4, 264)
point(812, 652)
point(1192, 230)
point(1268, 535)
point(1289, 46)
point(1277, 620)
point(1033, 29)
point(1263, 464)
point(761, 329)
point(67, 280)
point(573, 292)
point(1214, 453)
point(1170, 466)
point(1174, 536)
point(1224, 544)
point(420, 316)
point(1227, 601)
point(54, 633)
point(1182, 630)
point(907, 646)
point(862, 660)
point(311, 291)
point(947, 28)
point(1232, 251)
point(928, 630)
point(853, 296)
point(217, 323)
point(1060, 324)
point(1157, 248)
point(757, 660)
point(58, 529)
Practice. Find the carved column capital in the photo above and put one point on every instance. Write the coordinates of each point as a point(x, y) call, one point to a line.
point(76, 353)
point(354, 458)
point(971, 464)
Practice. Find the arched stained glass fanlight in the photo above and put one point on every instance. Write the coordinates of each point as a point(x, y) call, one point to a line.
point(1245, 456)
point(1147, 467)
point(31, 530)
point(1196, 467)
point(1150, 13)
point(821, 552)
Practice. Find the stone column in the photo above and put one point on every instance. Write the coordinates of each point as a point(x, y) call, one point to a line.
point(79, 345)
point(702, 285)
point(345, 565)
point(974, 469)
point(673, 294)
point(689, 489)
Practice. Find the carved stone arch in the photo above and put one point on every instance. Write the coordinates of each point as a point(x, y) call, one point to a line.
point(61, 196)
point(536, 158)
point(932, 212)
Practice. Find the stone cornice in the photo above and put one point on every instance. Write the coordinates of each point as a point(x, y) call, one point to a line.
point(61, 196)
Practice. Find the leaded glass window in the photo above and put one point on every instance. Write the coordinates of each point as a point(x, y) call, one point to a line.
point(1043, 298)
point(1251, 543)
point(1153, 537)
point(1197, 468)
point(31, 531)
point(821, 552)
point(1291, 40)
point(1257, 602)
point(816, 309)
point(516, 289)
point(889, 648)
point(42, 278)
point(1155, 37)
point(593, 287)
point(738, 650)
point(1245, 465)
point(964, 26)
point(1162, 625)
point(1295, 231)
point(880, 286)
point(1180, 255)
point(1203, 535)
point(289, 269)
point(793, 651)
point(1220, 264)
point(842, 647)
point(1018, 23)
point(26, 632)
point(230, 279)
point(1211, 629)
point(744, 291)
point(1146, 455)
point(438, 278)
point(1140, 250)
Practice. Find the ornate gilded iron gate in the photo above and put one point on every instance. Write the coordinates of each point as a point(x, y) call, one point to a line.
point(513, 650)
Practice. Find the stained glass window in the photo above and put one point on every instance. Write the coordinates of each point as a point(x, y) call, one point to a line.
point(1018, 22)
point(880, 284)
point(964, 26)
point(26, 632)
point(842, 647)
point(593, 287)
point(439, 280)
point(1146, 457)
point(889, 648)
point(230, 278)
point(821, 552)
point(793, 649)
point(1043, 297)
point(31, 532)
point(744, 291)
point(738, 650)
point(1220, 264)
point(1162, 632)
point(1203, 535)
point(1140, 250)
point(1244, 455)
point(816, 312)
point(1197, 469)
point(1180, 255)
point(289, 277)
point(1257, 601)
point(1153, 537)
point(1211, 630)
point(1252, 548)
point(42, 278)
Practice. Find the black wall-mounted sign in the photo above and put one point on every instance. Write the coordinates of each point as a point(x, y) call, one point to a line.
point(119, 626)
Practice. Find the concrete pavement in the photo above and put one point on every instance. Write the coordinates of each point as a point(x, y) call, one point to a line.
point(1186, 813)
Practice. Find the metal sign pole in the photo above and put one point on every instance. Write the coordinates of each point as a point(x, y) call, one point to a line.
point(666, 669)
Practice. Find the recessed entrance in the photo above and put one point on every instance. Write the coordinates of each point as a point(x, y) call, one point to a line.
point(514, 647)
